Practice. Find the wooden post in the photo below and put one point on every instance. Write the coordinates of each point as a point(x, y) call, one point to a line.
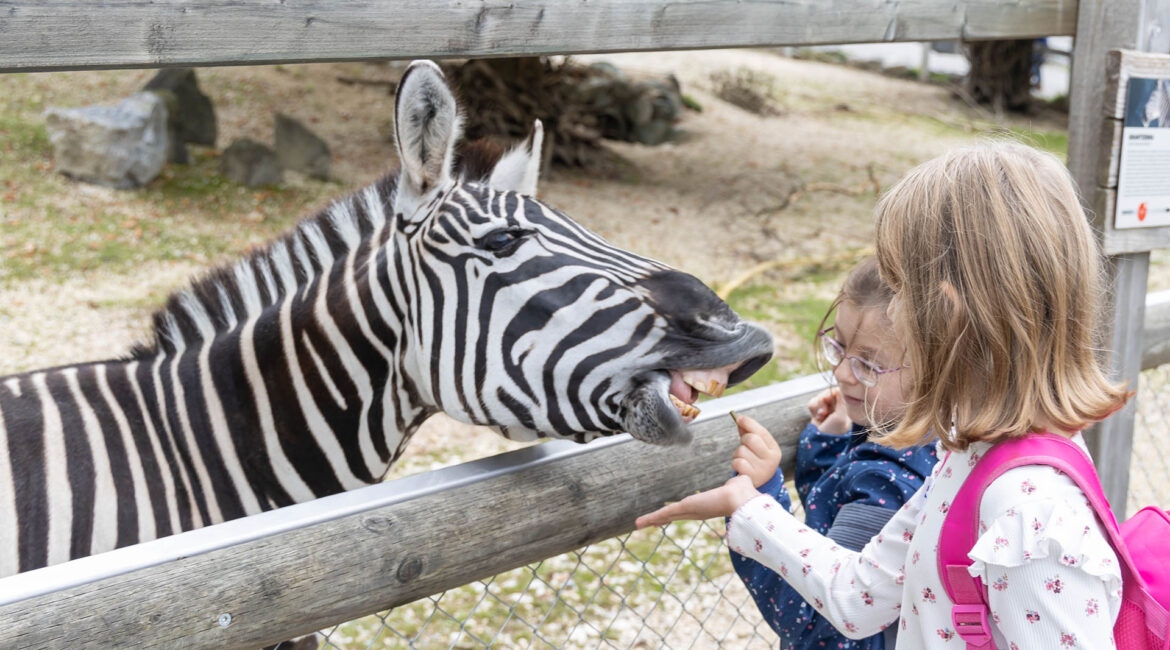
point(1103, 25)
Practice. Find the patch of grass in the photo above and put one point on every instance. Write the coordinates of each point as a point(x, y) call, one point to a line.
point(22, 140)
point(1052, 141)
point(762, 301)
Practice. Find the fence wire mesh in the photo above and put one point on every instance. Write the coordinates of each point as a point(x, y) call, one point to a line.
point(1149, 466)
point(657, 588)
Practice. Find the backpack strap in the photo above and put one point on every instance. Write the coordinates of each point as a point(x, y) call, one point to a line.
point(960, 528)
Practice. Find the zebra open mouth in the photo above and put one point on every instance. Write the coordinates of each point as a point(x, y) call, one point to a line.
point(661, 404)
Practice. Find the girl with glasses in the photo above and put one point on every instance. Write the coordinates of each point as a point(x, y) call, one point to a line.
point(849, 486)
point(998, 290)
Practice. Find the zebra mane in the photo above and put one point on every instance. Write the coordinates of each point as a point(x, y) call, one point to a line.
point(222, 298)
point(225, 296)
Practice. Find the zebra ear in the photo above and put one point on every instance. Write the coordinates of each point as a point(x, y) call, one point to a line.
point(519, 169)
point(426, 127)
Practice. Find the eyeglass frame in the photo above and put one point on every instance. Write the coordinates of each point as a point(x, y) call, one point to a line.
point(854, 360)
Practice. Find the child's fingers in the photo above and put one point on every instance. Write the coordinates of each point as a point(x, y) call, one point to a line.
point(756, 444)
point(742, 466)
point(819, 404)
point(815, 406)
point(748, 425)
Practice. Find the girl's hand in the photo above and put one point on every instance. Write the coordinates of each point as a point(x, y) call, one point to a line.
point(758, 455)
point(720, 502)
point(828, 412)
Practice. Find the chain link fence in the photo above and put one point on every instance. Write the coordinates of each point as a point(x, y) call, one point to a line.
point(1149, 465)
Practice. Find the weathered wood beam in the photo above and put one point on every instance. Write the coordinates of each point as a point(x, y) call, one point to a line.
point(40, 35)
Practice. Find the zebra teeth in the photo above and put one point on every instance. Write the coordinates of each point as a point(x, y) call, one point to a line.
point(684, 409)
point(705, 384)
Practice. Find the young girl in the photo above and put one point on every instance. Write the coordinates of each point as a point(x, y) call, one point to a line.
point(849, 486)
point(997, 283)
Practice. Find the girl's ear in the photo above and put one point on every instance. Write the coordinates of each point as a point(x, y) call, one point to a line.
point(426, 127)
point(519, 169)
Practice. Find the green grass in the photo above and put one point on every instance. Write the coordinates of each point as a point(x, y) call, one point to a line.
point(1053, 141)
point(22, 140)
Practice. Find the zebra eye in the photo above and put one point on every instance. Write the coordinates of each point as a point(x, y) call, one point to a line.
point(498, 240)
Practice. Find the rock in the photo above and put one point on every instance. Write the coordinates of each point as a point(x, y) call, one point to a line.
point(634, 111)
point(653, 132)
point(300, 149)
point(119, 146)
point(250, 163)
point(195, 120)
point(176, 148)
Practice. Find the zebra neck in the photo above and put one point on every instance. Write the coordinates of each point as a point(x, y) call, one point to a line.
point(320, 374)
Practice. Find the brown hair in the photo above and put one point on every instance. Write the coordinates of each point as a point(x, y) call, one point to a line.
point(999, 284)
point(863, 288)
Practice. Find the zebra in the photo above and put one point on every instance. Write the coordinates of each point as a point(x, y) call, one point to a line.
point(302, 369)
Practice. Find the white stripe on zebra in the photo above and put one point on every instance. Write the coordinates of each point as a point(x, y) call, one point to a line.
point(146, 524)
point(9, 539)
point(160, 459)
point(345, 224)
point(325, 376)
point(160, 399)
point(318, 426)
point(207, 488)
point(57, 491)
point(392, 395)
point(13, 386)
point(105, 528)
point(354, 368)
point(365, 440)
point(223, 435)
point(282, 468)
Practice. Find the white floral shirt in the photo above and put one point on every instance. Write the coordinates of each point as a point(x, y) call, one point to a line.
point(1053, 579)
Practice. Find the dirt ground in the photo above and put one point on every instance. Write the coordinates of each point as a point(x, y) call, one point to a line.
point(735, 189)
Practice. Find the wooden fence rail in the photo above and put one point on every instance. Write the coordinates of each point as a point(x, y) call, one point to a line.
point(312, 565)
point(38, 35)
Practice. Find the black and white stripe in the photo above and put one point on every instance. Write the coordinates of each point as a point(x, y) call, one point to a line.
point(302, 369)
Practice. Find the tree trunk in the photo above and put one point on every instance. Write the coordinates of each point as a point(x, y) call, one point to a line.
point(1001, 73)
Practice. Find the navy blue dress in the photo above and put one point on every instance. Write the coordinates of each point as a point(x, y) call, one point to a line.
point(850, 488)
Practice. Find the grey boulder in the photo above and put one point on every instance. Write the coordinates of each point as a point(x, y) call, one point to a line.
point(119, 146)
point(300, 149)
point(250, 163)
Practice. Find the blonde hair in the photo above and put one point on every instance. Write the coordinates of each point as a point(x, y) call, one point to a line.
point(998, 283)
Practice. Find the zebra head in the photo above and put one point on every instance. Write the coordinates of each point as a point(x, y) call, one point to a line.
point(525, 320)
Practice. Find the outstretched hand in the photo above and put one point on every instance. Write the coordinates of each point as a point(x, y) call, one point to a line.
point(720, 502)
point(758, 455)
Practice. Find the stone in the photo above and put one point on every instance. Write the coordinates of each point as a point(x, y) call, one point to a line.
point(119, 146)
point(250, 163)
point(176, 148)
point(194, 121)
point(300, 149)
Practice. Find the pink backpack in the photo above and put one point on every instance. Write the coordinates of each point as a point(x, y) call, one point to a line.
point(1140, 545)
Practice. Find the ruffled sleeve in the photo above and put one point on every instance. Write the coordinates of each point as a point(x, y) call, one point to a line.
point(1052, 578)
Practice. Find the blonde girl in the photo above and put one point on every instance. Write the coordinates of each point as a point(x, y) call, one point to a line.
point(998, 286)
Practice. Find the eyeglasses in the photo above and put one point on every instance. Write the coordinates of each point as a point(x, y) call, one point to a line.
point(867, 372)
